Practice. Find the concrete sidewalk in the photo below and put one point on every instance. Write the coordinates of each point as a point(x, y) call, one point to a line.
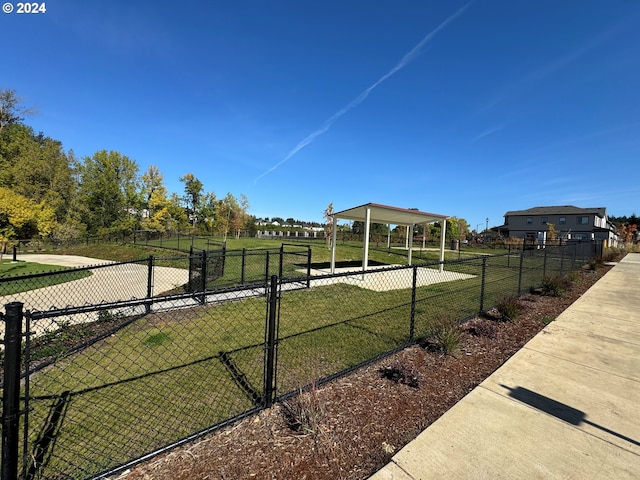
point(565, 406)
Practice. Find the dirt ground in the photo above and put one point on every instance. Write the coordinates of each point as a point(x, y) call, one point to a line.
point(351, 427)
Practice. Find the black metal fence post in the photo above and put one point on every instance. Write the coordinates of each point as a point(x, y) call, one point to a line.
point(270, 361)
point(266, 267)
point(224, 258)
point(412, 321)
point(544, 263)
point(243, 265)
point(484, 276)
point(205, 264)
point(520, 272)
point(191, 267)
point(11, 390)
point(561, 258)
point(308, 267)
point(149, 282)
point(281, 258)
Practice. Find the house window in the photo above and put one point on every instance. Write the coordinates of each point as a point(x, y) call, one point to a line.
point(583, 221)
point(529, 220)
point(562, 220)
point(581, 236)
point(544, 220)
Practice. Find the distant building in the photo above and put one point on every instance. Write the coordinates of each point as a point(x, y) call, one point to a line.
point(569, 222)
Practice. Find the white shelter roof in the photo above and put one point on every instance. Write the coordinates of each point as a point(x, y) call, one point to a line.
point(389, 215)
point(375, 213)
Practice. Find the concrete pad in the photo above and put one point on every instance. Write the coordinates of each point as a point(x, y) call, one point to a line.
point(611, 415)
point(489, 436)
point(390, 277)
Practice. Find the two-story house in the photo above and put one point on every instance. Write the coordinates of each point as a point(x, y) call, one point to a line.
point(569, 223)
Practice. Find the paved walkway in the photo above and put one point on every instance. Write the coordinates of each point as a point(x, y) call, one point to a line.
point(566, 406)
point(105, 285)
point(120, 282)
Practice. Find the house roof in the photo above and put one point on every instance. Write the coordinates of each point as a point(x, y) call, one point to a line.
point(389, 215)
point(558, 210)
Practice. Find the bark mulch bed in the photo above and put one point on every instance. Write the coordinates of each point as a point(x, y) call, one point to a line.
point(351, 427)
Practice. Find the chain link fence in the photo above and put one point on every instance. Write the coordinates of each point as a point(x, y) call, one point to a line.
point(103, 382)
point(166, 240)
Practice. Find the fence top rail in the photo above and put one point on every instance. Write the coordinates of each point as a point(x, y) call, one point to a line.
point(295, 245)
point(96, 307)
point(109, 264)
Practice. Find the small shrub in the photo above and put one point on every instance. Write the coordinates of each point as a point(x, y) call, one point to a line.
point(447, 334)
point(594, 263)
point(303, 412)
point(611, 254)
point(482, 328)
point(572, 277)
point(547, 320)
point(555, 286)
point(509, 308)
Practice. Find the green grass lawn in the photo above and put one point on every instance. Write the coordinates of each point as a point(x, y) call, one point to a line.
point(11, 273)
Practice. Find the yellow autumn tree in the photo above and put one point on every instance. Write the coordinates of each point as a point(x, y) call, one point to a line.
point(22, 218)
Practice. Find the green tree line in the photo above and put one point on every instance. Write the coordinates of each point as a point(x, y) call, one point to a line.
point(46, 192)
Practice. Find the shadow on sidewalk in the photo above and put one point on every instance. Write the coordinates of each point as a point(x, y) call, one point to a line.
point(559, 410)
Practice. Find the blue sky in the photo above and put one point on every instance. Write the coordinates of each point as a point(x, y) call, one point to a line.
point(456, 108)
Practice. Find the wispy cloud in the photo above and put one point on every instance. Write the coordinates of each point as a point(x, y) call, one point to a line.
point(487, 132)
point(567, 142)
point(407, 59)
point(535, 77)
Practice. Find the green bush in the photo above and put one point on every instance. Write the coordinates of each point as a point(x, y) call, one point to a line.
point(304, 412)
point(447, 334)
point(509, 308)
point(594, 263)
point(611, 254)
point(555, 286)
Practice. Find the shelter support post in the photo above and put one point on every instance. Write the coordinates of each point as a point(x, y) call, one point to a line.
point(334, 236)
point(410, 243)
point(367, 229)
point(443, 232)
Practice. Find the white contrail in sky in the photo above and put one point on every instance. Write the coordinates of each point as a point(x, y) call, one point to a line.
point(408, 58)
